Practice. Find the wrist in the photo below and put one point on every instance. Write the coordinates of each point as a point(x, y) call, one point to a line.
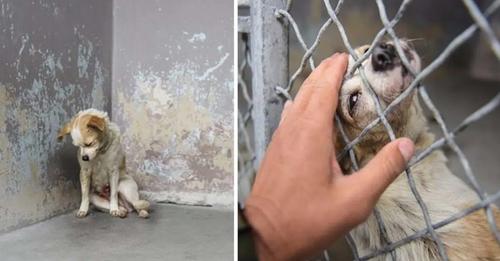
point(269, 239)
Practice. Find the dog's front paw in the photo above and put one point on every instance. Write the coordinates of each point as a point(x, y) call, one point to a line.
point(81, 213)
point(121, 212)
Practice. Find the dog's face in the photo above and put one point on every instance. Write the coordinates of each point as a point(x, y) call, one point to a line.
point(87, 132)
point(388, 78)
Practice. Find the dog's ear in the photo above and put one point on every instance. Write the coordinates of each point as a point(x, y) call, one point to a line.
point(97, 123)
point(65, 130)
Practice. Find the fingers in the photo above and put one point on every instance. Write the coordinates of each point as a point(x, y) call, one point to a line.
point(325, 78)
point(383, 169)
point(323, 100)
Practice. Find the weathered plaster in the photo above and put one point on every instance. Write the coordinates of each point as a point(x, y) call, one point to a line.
point(53, 64)
point(172, 97)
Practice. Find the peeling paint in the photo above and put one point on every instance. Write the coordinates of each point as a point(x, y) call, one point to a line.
point(84, 55)
point(41, 87)
point(173, 100)
point(209, 71)
point(199, 37)
point(175, 113)
point(187, 144)
point(190, 198)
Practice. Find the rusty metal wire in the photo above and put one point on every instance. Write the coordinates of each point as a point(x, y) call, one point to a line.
point(480, 23)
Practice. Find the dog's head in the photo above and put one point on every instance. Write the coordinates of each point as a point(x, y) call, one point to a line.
point(388, 77)
point(87, 130)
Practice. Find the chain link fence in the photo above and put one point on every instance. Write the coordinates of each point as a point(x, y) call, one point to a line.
point(264, 84)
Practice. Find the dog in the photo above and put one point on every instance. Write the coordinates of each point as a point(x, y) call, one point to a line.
point(103, 178)
point(445, 194)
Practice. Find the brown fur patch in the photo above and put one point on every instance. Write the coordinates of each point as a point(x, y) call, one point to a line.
point(91, 127)
point(96, 123)
point(473, 240)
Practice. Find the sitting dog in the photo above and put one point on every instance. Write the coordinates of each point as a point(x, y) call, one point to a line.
point(468, 238)
point(103, 179)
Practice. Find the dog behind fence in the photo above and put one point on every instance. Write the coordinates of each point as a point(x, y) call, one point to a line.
point(266, 69)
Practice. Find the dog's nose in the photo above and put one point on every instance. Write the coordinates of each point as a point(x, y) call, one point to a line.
point(85, 158)
point(383, 57)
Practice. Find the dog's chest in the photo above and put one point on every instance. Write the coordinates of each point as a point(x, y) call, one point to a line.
point(100, 175)
point(444, 195)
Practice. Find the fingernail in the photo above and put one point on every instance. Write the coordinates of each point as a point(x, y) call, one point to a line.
point(406, 148)
point(334, 55)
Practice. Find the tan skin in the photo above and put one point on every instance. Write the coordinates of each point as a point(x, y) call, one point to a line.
point(301, 202)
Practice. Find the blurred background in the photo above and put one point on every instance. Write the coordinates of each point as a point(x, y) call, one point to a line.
point(466, 81)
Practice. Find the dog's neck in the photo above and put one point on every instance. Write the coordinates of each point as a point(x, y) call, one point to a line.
point(108, 137)
point(416, 123)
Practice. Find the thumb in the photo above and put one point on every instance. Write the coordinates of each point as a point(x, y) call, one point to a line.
point(383, 169)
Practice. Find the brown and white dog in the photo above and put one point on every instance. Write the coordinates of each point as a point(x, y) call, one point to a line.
point(444, 194)
point(104, 182)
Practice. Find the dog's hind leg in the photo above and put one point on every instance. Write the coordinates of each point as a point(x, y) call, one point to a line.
point(103, 205)
point(127, 188)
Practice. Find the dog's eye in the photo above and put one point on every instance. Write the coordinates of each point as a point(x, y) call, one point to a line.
point(353, 100)
point(87, 144)
point(366, 50)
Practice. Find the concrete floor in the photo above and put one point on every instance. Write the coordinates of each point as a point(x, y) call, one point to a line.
point(171, 233)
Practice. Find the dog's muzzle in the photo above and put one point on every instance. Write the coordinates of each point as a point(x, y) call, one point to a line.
point(85, 158)
point(383, 57)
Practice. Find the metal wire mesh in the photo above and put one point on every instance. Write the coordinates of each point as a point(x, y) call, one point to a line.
point(246, 155)
point(281, 12)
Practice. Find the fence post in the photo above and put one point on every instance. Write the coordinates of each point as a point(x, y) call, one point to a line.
point(269, 52)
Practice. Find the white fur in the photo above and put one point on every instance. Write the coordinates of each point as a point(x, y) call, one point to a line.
point(76, 136)
point(95, 112)
point(443, 193)
point(104, 169)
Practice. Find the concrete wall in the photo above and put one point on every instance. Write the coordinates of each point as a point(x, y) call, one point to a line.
point(55, 59)
point(173, 97)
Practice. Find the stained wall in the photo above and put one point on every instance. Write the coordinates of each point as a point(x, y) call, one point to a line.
point(55, 59)
point(173, 97)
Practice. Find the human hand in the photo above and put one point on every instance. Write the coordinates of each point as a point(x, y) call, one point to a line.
point(301, 202)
